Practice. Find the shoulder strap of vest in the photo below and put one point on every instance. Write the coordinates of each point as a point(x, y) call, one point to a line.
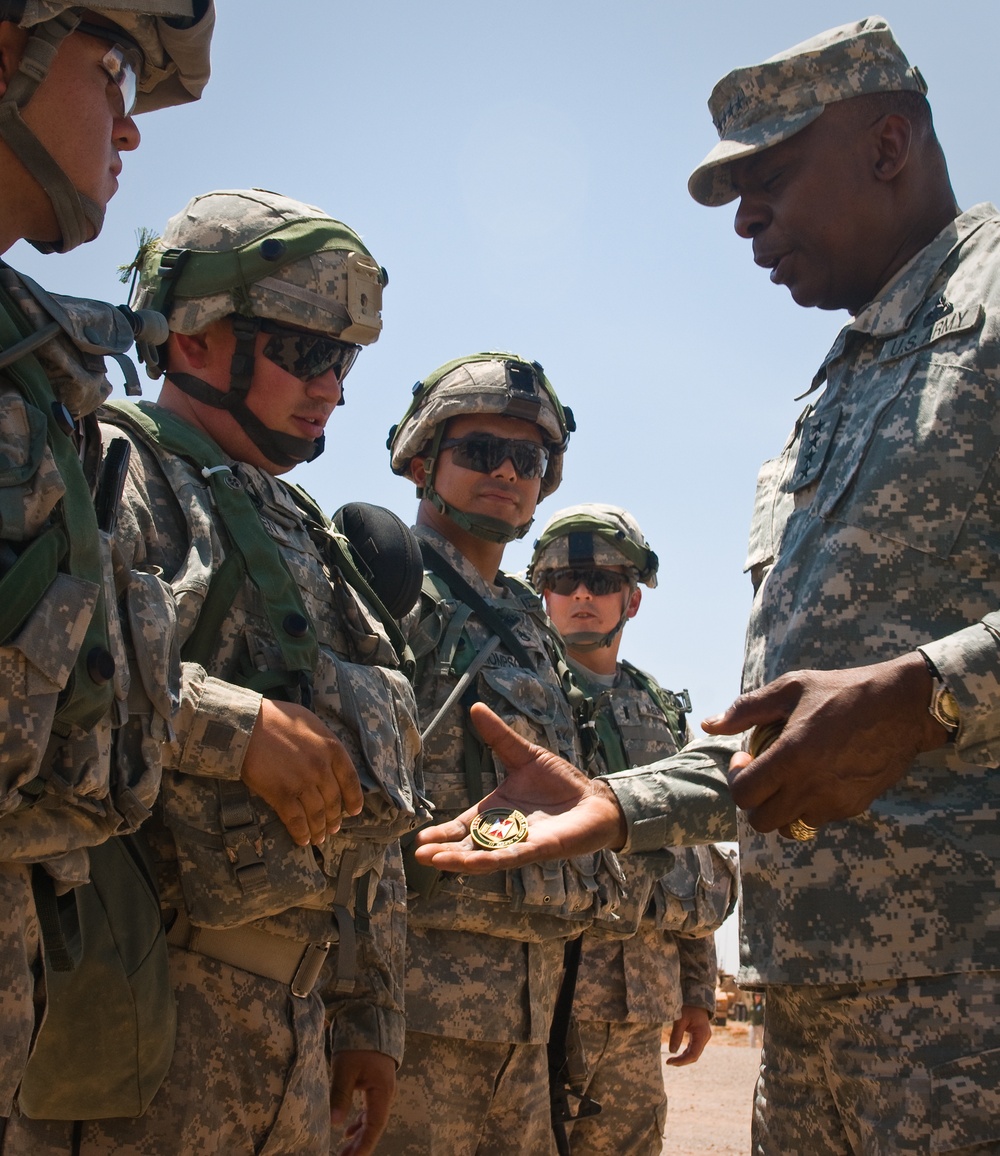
point(74, 546)
point(675, 706)
point(464, 592)
point(341, 555)
point(254, 555)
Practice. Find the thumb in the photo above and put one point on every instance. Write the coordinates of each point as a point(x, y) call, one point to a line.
point(512, 750)
point(749, 710)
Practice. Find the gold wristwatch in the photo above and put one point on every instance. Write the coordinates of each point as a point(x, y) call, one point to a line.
point(943, 706)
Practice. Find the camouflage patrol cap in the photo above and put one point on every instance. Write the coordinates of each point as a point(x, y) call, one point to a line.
point(754, 108)
point(492, 382)
point(260, 254)
point(592, 534)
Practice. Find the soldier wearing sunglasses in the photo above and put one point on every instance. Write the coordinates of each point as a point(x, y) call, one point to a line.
point(654, 965)
point(483, 440)
point(70, 81)
point(278, 869)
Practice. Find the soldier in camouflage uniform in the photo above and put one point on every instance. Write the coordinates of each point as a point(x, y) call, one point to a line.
point(587, 565)
point(873, 635)
point(77, 77)
point(279, 874)
point(483, 440)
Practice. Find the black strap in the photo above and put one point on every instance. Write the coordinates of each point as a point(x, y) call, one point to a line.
point(491, 617)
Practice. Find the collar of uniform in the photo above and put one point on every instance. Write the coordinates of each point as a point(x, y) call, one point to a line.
point(458, 561)
point(892, 311)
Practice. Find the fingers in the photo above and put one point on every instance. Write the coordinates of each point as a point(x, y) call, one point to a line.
point(373, 1075)
point(296, 764)
point(766, 705)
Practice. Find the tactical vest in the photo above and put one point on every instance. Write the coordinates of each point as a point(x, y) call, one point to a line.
point(236, 861)
point(67, 663)
point(687, 890)
point(533, 903)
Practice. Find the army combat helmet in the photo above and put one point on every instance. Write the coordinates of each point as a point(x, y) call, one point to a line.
point(161, 49)
point(261, 260)
point(492, 382)
point(591, 535)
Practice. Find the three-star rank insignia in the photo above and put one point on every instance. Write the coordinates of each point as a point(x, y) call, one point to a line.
point(498, 827)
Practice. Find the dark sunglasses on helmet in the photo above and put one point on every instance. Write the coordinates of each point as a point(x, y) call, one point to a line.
point(485, 452)
point(567, 579)
point(122, 62)
point(307, 355)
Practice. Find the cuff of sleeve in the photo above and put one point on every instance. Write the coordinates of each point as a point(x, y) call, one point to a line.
point(358, 1026)
point(969, 663)
point(683, 801)
point(219, 734)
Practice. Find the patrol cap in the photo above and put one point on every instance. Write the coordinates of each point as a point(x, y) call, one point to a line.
point(758, 106)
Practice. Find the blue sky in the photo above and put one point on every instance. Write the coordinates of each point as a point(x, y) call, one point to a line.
point(521, 169)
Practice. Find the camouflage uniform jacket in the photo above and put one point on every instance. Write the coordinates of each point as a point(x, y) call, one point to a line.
point(485, 952)
point(649, 976)
point(169, 520)
point(874, 532)
point(62, 787)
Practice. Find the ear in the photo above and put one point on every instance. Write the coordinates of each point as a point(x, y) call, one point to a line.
point(633, 602)
point(893, 135)
point(12, 42)
point(192, 349)
point(418, 471)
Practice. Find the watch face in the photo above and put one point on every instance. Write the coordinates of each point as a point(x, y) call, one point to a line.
point(944, 708)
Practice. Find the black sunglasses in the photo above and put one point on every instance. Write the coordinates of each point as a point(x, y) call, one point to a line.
point(307, 355)
point(598, 582)
point(485, 452)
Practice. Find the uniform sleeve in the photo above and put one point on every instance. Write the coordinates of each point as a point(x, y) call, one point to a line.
point(680, 800)
point(371, 1017)
point(699, 972)
point(213, 727)
point(969, 662)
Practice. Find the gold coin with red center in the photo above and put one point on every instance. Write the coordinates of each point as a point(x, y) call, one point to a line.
point(498, 827)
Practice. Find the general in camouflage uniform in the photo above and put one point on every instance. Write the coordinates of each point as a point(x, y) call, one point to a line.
point(69, 613)
point(284, 895)
point(587, 565)
point(483, 440)
point(873, 548)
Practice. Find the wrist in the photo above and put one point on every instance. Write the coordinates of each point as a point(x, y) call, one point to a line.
point(942, 705)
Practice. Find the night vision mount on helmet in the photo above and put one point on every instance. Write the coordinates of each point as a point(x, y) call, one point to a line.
point(257, 257)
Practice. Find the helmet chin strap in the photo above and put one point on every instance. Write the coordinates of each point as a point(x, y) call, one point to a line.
point(78, 217)
point(585, 640)
point(479, 525)
point(283, 449)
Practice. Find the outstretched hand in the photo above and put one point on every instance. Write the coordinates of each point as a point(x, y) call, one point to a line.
point(846, 737)
point(568, 814)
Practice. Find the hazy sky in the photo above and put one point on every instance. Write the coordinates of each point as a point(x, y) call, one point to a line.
point(521, 171)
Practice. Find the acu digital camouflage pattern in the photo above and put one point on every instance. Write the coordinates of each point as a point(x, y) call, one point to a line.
point(175, 59)
point(484, 954)
point(606, 526)
point(627, 989)
point(756, 107)
point(897, 1068)
point(243, 1078)
point(96, 782)
point(874, 533)
point(335, 290)
point(168, 521)
point(497, 1100)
